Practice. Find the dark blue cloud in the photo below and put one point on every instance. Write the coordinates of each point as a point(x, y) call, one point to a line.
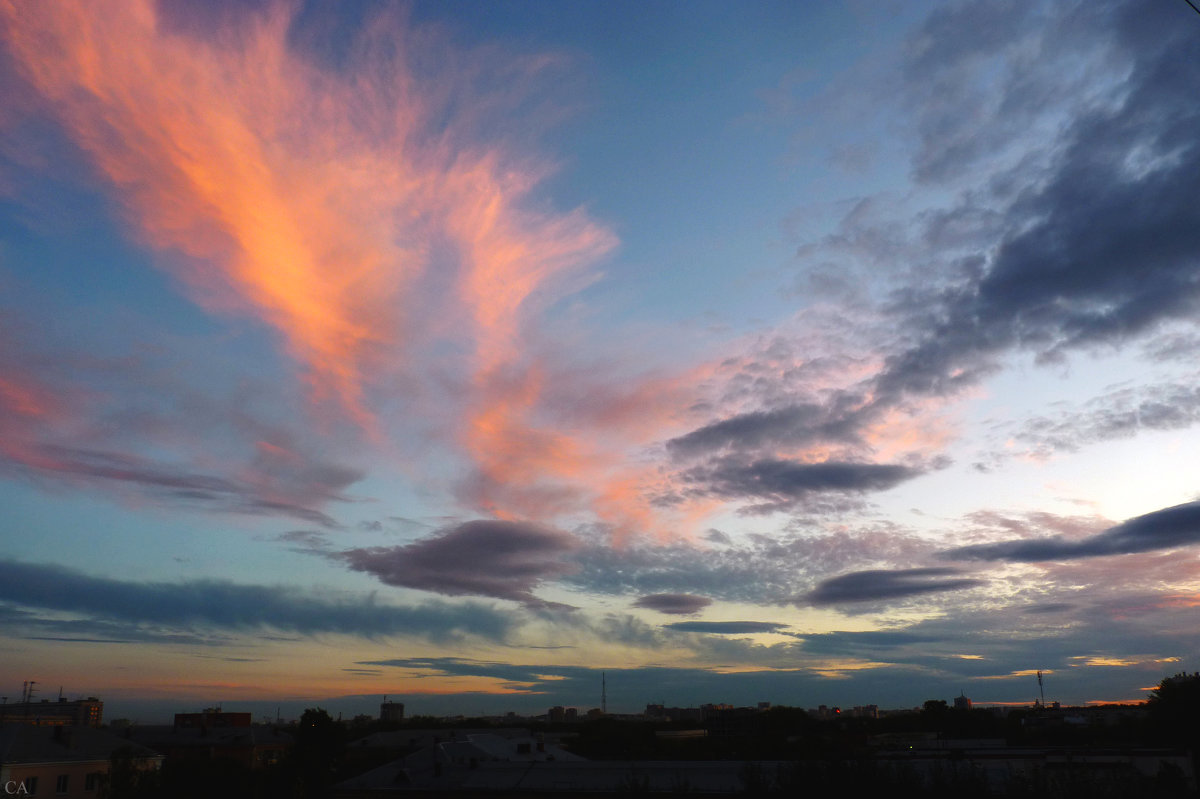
point(1050, 608)
point(631, 689)
point(871, 643)
point(223, 606)
point(678, 604)
point(793, 425)
point(881, 585)
point(464, 667)
point(726, 627)
point(500, 559)
point(1103, 244)
point(783, 484)
point(1169, 528)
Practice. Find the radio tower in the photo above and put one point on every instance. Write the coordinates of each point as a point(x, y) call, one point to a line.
point(603, 694)
point(1041, 688)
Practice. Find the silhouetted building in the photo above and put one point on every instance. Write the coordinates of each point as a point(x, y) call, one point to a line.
point(674, 713)
point(79, 713)
point(488, 765)
point(63, 761)
point(254, 747)
point(391, 711)
point(212, 718)
point(866, 711)
point(823, 712)
point(961, 702)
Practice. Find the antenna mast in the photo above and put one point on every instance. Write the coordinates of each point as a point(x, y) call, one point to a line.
point(1041, 688)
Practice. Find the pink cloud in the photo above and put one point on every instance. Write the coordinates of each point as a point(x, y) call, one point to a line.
point(377, 220)
point(306, 197)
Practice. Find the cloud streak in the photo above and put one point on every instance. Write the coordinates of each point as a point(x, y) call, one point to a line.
point(673, 604)
point(180, 486)
point(726, 627)
point(499, 559)
point(67, 419)
point(1169, 528)
point(795, 424)
point(776, 485)
point(226, 606)
point(878, 585)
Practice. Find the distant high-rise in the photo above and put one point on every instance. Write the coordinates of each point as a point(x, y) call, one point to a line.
point(962, 702)
point(391, 711)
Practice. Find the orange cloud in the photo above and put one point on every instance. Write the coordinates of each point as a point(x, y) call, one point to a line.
point(1179, 601)
point(316, 201)
point(17, 399)
point(533, 468)
point(305, 196)
point(28, 409)
point(344, 208)
point(1012, 674)
point(510, 253)
point(221, 151)
point(921, 427)
point(368, 215)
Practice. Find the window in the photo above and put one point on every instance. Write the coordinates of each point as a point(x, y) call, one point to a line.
point(60, 785)
point(30, 785)
point(91, 781)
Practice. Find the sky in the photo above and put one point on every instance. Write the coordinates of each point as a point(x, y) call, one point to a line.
point(810, 353)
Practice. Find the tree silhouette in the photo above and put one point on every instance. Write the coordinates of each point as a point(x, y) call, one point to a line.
point(1174, 705)
point(319, 744)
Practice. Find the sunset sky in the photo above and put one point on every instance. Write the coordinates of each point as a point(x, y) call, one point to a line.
point(811, 353)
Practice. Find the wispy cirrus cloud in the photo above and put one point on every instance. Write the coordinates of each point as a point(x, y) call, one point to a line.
point(180, 486)
point(1120, 413)
point(374, 211)
point(88, 422)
